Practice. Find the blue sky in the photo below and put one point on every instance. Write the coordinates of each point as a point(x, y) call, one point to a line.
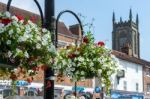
point(101, 11)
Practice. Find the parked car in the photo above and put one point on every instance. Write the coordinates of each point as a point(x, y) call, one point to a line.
point(5, 93)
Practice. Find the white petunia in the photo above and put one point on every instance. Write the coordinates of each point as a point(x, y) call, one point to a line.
point(18, 30)
point(38, 46)
point(38, 38)
point(44, 42)
point(18, 50)
point(7, 14)
point(1, 30)
point(44, 30)
point(81, 59)
point(9, 53)
point(1, 25)
point(8, 42)
point(10, 32)
point(14, 18)
point(99, 71)
point(91, 64)
point(26, 54)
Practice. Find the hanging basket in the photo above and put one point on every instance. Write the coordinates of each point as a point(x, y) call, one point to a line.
point(86, 60)
point(23, 43)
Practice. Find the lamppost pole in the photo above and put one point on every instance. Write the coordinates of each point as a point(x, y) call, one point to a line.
point(49, 23)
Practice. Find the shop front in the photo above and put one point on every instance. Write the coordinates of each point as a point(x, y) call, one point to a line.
point(118, 94)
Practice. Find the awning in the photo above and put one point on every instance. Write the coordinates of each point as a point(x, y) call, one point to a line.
point(78, 88)
point(22, 83)
point(35, 85)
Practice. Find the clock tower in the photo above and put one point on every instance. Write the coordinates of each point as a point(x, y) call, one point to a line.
point(125, 36)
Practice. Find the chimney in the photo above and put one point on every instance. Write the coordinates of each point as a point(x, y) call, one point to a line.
point(75, 29)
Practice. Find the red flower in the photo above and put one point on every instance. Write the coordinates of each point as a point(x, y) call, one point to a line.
point(33, 19)
point(44, 67)
point(72, 56)
point(34, 69)
point(13, 77)
point(6, 21)
point(85, 40)
point(29, 80)
point(101, 43)
point(20, 17)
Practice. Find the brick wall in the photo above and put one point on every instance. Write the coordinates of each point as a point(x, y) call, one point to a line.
point(146, 80)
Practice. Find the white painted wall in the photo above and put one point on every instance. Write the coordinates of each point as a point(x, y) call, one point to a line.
point(131, 76)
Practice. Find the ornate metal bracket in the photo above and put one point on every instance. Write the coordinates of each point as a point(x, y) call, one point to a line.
point(57, 20)
point(38, 5)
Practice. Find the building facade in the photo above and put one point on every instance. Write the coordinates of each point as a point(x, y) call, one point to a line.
point(130, 85)
point(126, 46)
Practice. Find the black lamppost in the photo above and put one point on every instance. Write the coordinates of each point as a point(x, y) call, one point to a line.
point(49, 23)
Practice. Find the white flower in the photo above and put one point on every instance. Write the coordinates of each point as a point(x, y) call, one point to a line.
point(7, 14)
point(30, 71)
point(18, 50)
point(44, 42)
point(1, 25)
point(64, 62)
point(26, 54)
point(14, 18)
point(1, 30)
point(38, 38)
point(82, 78)
point(91, 64)
point(21, 21)
point(18, 30)
point(11, 32)
point(15, 23)
point(82, 72)
point(8, 42)
point(9, 53)
point(44, 30)
point(52, 48)
point(38, 46)
point(22, 39)
point(81, 59)
point(99, 71)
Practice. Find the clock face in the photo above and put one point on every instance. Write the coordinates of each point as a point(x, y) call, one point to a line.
point(120, 73)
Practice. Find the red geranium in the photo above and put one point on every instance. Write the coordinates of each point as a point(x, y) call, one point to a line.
point(33, 19)
point(20, 17)
point(44, 67)
point(72, 56)
point(85, 40)
point(101, 43)
point(13, 76)
point(6, 21)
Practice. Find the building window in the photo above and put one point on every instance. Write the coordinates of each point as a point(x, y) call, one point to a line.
point(147, 71)
point(148, 87)
point(125, 85)
point(137, 86)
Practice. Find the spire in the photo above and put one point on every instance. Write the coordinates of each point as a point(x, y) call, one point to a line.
point(113, 18)
point(120, 19)
point(137, 19)
point(130, 15)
